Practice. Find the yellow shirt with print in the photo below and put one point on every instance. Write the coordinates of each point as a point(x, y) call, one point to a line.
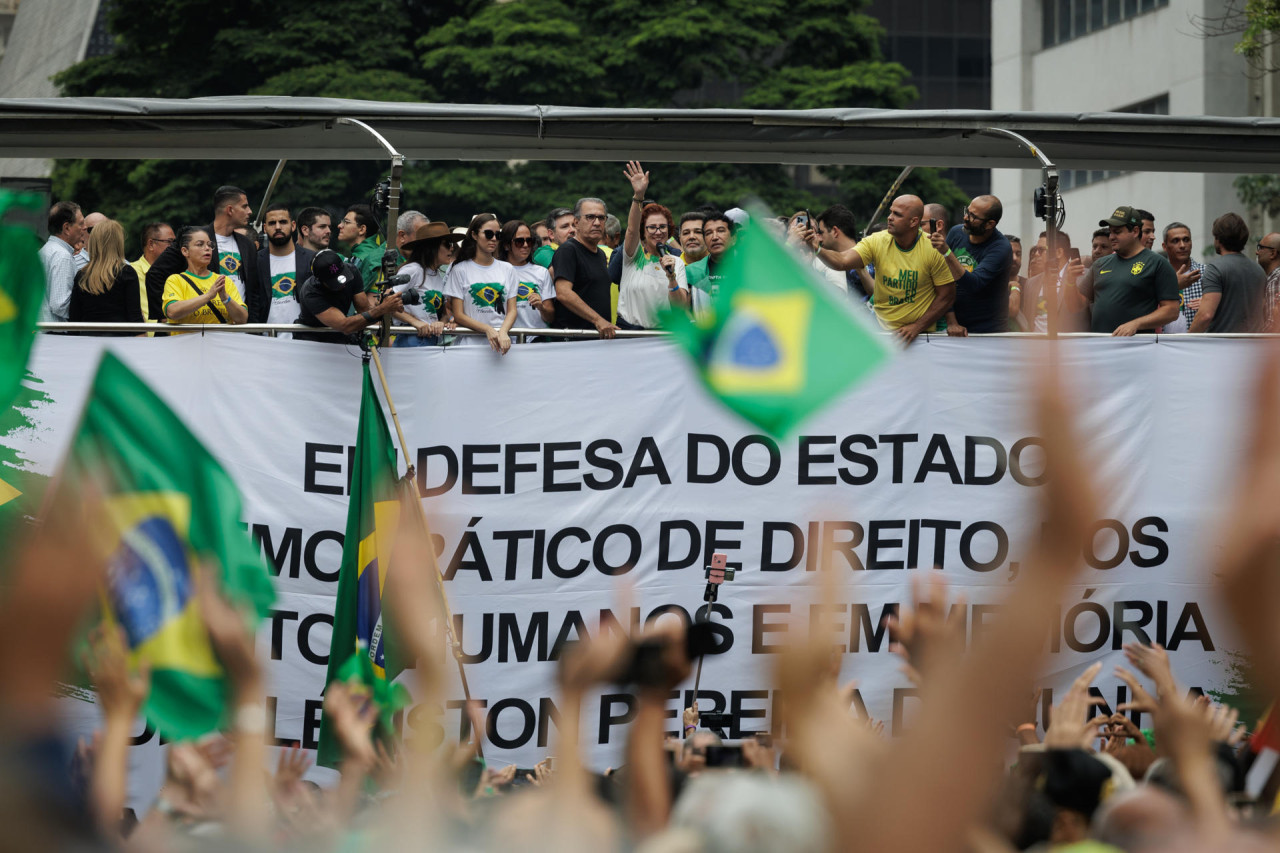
point(905, 278)
point(176, 289)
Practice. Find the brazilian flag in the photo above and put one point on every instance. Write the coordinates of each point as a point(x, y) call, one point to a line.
point(170, 511)
point(21, 290)
point(373, 516)
point(778, 343)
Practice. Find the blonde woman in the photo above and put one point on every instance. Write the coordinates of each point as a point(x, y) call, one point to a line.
point(106, 290)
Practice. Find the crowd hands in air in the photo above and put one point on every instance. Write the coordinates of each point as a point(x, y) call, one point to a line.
point(584, 269)
point(969, 771)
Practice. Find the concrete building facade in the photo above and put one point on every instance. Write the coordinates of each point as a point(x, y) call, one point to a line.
point(1147, 56)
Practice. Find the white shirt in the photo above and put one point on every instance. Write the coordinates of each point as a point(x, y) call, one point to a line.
point(484, 291)
point(531, 279)
point(229, 260)
point(284, 291)
point(60, 274)
point(644, 289)
point(429, 285)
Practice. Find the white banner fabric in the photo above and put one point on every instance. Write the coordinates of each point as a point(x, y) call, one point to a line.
point(560, 469)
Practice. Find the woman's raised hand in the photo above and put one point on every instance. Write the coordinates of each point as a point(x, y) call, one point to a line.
point(638, 177)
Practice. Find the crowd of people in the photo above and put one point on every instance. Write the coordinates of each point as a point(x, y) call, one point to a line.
point(978, 768)
point(582, 268)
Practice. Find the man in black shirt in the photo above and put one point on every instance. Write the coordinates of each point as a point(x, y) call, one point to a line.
point(327, 296)
point(582, 277)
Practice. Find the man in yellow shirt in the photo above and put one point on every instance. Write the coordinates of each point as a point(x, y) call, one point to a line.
point(914, 289)
point(156, 237)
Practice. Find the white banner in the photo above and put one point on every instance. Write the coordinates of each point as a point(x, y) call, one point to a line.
point(554, 471)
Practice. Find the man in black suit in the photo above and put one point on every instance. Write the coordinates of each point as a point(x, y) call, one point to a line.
point(236, 255)
point(282, 267)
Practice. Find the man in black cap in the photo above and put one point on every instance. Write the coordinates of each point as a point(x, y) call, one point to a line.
point(327, 296)
point(1134, 290)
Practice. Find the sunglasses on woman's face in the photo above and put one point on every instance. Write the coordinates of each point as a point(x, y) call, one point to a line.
point(522, 241)
point(489, 235)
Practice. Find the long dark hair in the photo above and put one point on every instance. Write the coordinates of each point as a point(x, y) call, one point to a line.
point(508, 233)
point(424, 254)
point(467, 251)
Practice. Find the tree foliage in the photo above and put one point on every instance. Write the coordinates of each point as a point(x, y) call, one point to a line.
point(762, 54)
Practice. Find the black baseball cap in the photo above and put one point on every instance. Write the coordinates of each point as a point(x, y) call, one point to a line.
point(329, 269)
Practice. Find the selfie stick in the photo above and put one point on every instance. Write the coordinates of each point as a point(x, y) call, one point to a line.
point(433, 567)
point(716, 575)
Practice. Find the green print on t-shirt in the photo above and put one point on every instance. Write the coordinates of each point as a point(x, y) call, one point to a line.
point(486, 293)
point(908, 281)
point(525, 290)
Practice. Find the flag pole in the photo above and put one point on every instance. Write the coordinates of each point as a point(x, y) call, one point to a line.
point(455, 643)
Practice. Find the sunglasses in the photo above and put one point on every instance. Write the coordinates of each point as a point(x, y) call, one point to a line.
point(488, 235)
point(522, 241)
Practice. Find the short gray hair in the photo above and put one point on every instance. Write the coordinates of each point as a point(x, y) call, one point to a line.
point(406, 221)
point(1171, 226)
point(612, 225)
point(577, 208)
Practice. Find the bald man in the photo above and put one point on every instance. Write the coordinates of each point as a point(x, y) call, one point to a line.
point(938, 214)
point(82, 251)
point(914, 289)
point(978, 256)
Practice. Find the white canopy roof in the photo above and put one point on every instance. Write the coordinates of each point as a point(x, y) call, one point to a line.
point(306, 129)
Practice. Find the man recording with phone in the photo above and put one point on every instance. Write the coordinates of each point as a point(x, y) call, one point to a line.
point(978, 257)
point(914, 289)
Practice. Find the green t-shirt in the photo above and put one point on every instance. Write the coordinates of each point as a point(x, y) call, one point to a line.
point(543, 254)
point(1125, 289)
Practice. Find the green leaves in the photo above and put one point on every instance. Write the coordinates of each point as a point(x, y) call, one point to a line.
point(762, 54)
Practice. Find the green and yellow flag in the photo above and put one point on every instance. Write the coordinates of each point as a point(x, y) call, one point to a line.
point(171, 511)
point(21, 290)
point(778, 343)
point(373, 516)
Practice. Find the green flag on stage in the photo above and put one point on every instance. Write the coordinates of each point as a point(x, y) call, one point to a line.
point(372, 518)
point(171, 510)
point(21, 290)
point(778, 344)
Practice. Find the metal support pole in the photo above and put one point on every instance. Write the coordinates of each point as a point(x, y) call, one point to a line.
point(391, 253)
point(1053, 215)
point(888, 197)
point(271, 188)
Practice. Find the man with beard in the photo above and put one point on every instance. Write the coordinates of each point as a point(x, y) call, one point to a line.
point(315, 227)
point(282, 266)
point(978, 256)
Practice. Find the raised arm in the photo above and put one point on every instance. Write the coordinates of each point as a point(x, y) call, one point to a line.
point(639, 179)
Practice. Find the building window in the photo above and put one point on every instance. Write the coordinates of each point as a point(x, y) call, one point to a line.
point(1074, 179)
point(1064, 20)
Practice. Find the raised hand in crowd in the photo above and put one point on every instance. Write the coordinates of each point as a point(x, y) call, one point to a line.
point(121, 692)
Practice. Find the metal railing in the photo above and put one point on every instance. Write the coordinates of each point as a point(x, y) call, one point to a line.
point(518, 335)
point(521, 334)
